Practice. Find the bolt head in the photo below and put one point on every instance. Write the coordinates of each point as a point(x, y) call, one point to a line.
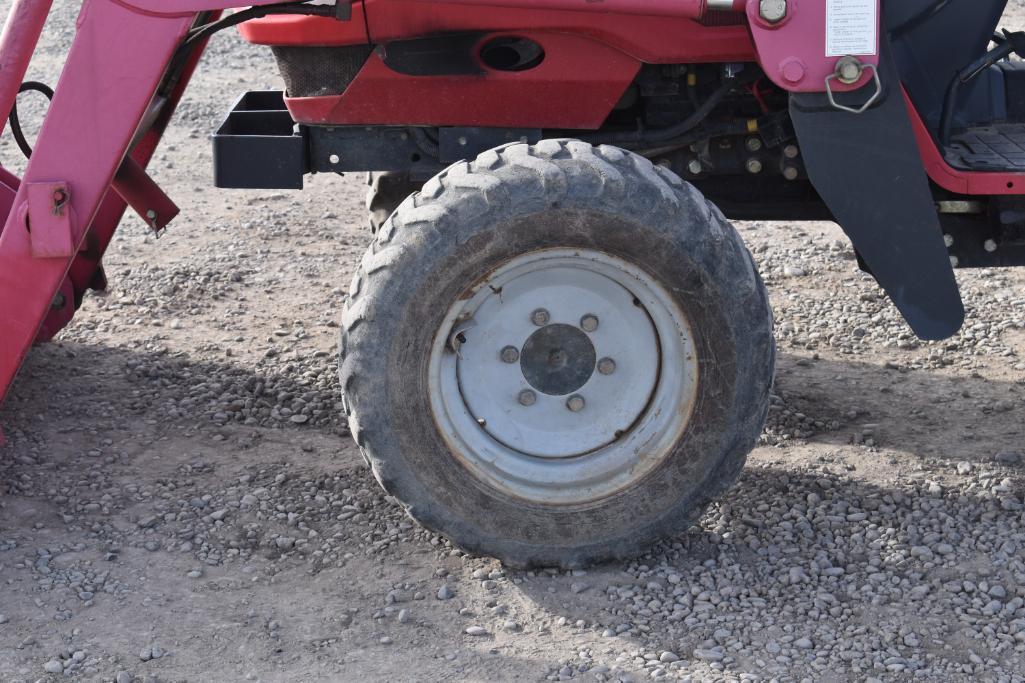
point(575, 403)
point(790, 173)
point(540, 317)
point(772, 11)
point(948, 240)
point(527, 398)
point(954, 262)
point(606, 366)
point(753, 144)
point(589, 323)
point(849, 70)
point(791, 151)
point(754, 166)
point(695, 167)
point(792, 70)
point(990, 245)
point(510, 354)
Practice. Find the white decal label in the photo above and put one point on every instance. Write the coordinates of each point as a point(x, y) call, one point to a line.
point(851, 27)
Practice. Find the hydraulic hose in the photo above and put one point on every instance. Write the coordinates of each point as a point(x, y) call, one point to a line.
point(16, 131)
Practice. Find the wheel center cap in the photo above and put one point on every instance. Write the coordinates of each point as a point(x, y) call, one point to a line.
point(558, 359)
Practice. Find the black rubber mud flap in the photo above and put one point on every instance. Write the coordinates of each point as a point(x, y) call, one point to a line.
point(868, 171)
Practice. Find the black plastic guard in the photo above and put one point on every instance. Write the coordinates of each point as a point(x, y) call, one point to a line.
point(868, 171)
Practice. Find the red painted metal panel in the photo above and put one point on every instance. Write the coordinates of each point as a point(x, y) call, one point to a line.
point(691, 9)
point(187, 7)
point(46, 216)
point(652, 39)
point(793, 52)
point(298, 30)
point(8, 190)
point(576, 86)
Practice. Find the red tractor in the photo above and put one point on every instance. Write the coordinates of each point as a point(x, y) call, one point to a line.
point(556, 349)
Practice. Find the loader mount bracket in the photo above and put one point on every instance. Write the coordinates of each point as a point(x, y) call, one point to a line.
point(868, 170)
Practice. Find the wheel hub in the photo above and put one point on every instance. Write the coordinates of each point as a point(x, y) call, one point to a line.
point(558, 359)
point(559, 390)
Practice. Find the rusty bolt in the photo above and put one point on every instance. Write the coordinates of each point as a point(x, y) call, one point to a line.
point(510, 354)
point(527, 397)
point(575, 403)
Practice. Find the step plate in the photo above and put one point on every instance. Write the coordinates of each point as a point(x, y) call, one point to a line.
point(991, 148)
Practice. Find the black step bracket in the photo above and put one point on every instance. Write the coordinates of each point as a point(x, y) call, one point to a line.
point(259, 146)
point(341, 149)
point(868, 171)
point(456, 144)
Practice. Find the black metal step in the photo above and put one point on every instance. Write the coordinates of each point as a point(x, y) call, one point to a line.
point(998, 147)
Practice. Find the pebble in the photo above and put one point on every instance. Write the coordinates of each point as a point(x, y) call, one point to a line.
point(1009, 457)
point(476, 631)
point(53, 666)
point(445, 593)
point(708, 655)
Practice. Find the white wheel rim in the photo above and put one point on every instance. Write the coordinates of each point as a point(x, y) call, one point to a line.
point(521, 385)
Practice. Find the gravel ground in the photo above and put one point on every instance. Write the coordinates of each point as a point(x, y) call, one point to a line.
point(181, 500)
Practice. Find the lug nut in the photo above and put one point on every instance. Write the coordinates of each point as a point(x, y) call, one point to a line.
point(790, 173)
point(753, 144)
point(606, 366)
point(753, 166)
point(791, 151)
point(589, 323)
point(695, 167)
point(540, 317)
point(510, 354)
point(948, 240)
point(527, 398)
point(990, 245)
point(575, 403)
point(954, 262)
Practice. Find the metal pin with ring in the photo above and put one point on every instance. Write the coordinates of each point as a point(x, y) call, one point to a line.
point(849, 71)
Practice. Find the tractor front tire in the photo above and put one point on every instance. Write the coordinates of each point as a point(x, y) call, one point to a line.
point(556, 354)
